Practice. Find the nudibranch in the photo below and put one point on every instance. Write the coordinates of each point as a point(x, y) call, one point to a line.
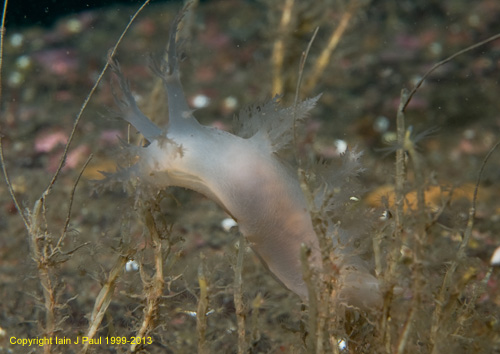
point(241, 172)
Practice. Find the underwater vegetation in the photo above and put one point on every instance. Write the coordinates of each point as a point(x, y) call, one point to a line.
point(344, 222)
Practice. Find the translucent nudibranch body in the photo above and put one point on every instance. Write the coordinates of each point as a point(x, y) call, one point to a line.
point(242, 173)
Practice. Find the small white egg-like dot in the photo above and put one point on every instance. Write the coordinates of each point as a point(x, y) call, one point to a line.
point(23, 62)
point(495, 258)
point(194, 314)
point(230, 102)
point(15, 79)
point(191, 313)
point(341, 146)
point(16, 40)
point(74, 25)
point(381, 124)
point(389, 137)
point(386, 215)
point(131, 266)
point(342, 344)
point(228, 223)
point(201, 101)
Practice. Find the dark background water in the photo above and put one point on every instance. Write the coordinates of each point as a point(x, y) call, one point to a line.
point(45, 12)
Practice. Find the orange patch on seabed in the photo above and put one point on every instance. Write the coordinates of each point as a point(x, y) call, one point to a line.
point(435, 196)
point(104, 164)
point(98, 165)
